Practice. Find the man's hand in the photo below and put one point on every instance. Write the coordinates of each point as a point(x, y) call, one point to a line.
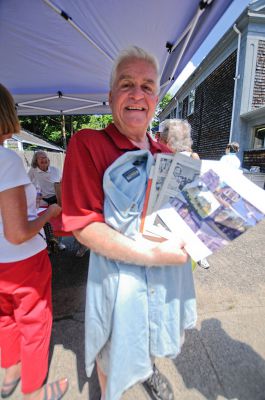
point(162, 251)
point(170, 252)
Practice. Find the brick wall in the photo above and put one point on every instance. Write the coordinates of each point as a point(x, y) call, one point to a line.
point(213, 109)
point(258, 99)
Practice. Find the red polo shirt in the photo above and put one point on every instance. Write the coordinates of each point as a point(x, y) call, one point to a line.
point(89, 154)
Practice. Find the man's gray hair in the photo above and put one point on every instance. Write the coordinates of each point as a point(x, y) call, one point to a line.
point(134, 52)
point(177, 134)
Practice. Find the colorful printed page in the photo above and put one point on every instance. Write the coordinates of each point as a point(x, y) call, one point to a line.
point(209, 213)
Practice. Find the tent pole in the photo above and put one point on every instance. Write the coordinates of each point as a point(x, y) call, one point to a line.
point(63, 130)
point(75, 26)
point(188, 32)
point(71, 125)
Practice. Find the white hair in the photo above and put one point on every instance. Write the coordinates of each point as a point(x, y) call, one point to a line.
point(133, 52)
point(177, 134)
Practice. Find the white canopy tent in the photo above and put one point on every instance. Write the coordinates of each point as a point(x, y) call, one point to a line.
point(56, 56)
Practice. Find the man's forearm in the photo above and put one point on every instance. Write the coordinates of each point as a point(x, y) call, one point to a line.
point(104, 240)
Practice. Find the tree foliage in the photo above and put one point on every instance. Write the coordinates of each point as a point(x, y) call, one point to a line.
point(49, 127)
point(160, 107)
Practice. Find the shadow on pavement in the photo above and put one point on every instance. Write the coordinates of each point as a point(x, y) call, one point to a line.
point(215, 364)
point(69, 292)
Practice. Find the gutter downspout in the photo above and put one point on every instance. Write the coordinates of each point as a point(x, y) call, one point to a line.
point(237, 76)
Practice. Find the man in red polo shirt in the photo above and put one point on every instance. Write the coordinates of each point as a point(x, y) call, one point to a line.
point(133, 97)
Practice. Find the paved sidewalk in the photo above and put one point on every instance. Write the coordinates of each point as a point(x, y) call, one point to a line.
point(223, 358)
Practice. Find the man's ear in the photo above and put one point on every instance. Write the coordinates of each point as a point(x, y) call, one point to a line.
point(110, 98)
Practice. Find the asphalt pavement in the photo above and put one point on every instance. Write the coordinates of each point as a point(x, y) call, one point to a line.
point(222, 358)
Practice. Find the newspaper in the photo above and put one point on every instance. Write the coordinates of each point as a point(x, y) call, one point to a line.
point(206, 204)
point(160, 172)
point(168, 176)
point(157, 176)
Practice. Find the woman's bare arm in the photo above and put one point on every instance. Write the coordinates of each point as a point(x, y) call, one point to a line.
point(17, 228)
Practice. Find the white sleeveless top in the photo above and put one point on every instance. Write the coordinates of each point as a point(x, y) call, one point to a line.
point(13, 174)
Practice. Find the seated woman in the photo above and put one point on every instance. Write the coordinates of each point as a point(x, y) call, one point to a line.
point(47, 181)
point(48, 178)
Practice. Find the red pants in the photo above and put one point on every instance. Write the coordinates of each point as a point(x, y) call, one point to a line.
point(26, 317)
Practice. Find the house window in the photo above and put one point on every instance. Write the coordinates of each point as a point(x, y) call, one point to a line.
point(259, 138)
point(191, 102)
point(11, 144)
point(179, 109)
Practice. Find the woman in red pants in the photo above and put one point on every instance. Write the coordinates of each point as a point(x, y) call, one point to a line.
point(25, 274)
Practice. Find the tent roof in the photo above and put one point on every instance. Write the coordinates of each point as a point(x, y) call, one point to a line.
point(63, 50)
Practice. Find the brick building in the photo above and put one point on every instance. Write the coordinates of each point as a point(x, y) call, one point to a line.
point(224, 98)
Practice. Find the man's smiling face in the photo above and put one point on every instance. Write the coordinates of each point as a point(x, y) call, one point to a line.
point(133, 97)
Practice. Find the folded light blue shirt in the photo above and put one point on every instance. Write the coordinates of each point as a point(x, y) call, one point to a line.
point(143, 311)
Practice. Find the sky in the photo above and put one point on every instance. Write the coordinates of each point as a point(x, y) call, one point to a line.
point(225, 22)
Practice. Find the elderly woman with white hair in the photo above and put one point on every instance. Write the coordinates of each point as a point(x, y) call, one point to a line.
point(47, 180)
point(176, 134)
